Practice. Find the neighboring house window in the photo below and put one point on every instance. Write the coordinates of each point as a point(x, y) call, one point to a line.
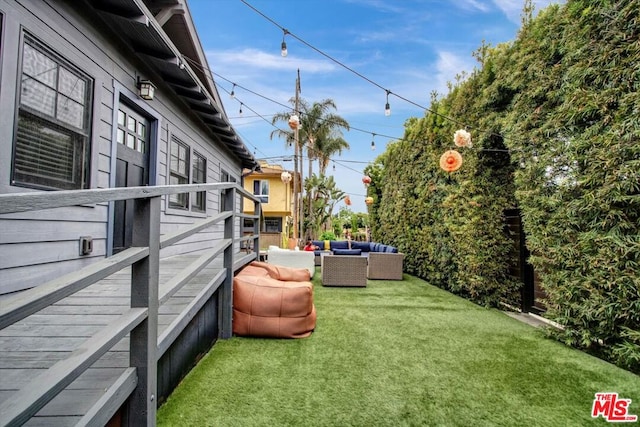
point(179, 165)
point(273, 225)
point(199, 176)
point(51, 147)
point(187, 167)
point(261, 189)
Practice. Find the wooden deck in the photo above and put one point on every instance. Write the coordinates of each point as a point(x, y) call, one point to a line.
point(32, 345)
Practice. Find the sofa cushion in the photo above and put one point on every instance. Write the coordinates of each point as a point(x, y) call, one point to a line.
point(347, 252)
point(339, 244)
point(363, 246)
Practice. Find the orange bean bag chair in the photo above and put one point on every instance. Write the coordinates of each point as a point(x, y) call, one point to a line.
point(268, 302)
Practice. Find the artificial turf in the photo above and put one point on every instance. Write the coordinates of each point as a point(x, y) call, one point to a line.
point(394, 354)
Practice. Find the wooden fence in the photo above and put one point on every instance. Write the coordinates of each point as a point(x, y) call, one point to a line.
point(138, 384)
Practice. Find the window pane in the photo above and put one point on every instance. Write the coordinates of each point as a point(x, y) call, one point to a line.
point(45, 153)
point(178, 200)
point(131, 124)
point(70, 112)
point(141, 146)
point(199, 169)
point(120, 136)
point(38, 96)
point(38, 67)
point(71, 85)
point(199, 201)
point(131, 141)
point(142, 130)
point(121, 117)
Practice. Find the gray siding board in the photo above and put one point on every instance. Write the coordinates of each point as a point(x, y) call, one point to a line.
point(18, 231)
point(85, 213)
point(22, 254)
point(24, 277)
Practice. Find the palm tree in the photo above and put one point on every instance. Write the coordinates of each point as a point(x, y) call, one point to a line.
point(320, 132)
point(318, 127)
point(323, 195)
point(327, 149)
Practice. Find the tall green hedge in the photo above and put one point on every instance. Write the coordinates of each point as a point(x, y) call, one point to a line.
point(564, 100)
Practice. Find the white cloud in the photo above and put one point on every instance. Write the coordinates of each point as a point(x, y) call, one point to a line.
point(448, 65)
point(474, 5)
point(383, 5)
point(258, 59)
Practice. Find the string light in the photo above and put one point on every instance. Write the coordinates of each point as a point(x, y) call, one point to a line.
point(233, 92)
point(373, 143)
point(240, 112)
point(283, 48)
point(387, 107)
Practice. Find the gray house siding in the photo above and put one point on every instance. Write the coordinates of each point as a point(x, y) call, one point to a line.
point(34, 247)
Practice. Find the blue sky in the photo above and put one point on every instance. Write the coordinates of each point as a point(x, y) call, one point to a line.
point(410, 47)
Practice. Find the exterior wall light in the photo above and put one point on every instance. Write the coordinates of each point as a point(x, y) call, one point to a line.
point(146, 89)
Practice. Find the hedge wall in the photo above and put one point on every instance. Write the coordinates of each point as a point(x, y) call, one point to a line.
point(555, 122)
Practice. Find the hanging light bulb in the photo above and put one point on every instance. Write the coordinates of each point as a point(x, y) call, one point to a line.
point(387, 107)
point(233, 92)
point(241, 108)
point(373, 143)
point(283, 48)
point(334, 167)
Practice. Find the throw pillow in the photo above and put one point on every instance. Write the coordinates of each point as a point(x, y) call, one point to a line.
point(347, 251)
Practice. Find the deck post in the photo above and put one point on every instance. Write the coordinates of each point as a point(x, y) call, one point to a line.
point(226, 293)
point(144, 293)
point(256, 228)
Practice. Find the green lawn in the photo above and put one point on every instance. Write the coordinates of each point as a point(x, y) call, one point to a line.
point(393, 354)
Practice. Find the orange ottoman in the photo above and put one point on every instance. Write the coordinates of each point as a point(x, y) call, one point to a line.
point(267, 307)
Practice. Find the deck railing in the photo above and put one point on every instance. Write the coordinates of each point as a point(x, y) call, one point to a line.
point(139, 381)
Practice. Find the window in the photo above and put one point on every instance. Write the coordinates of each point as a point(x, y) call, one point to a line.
point(261, 189)
point(273, 225)
point(199, 176)
point(187, 167)
point(51, 147)
point(133, 130)
point(179, 173)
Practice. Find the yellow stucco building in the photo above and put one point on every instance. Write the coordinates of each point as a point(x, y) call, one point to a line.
point(277, 203)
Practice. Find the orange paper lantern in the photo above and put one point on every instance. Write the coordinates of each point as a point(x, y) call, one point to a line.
point(347, 201)
point(368, 200)
point(294, 122)
point(451, 161)
point(366, 180)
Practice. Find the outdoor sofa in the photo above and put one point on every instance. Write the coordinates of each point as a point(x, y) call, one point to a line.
point(384, 262)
